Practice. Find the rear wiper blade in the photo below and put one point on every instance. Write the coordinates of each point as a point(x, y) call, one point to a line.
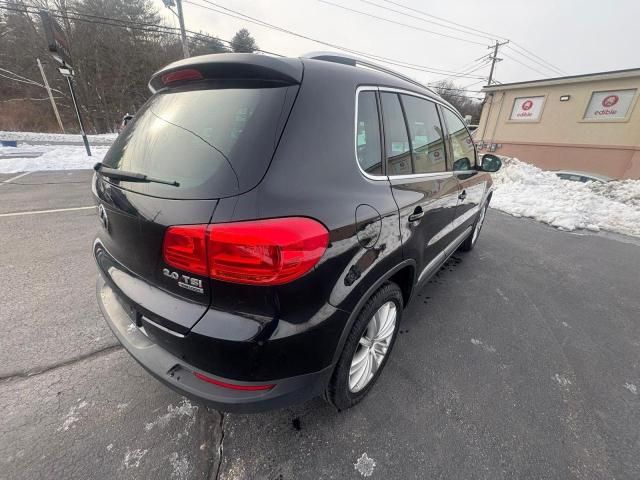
point(130, 176)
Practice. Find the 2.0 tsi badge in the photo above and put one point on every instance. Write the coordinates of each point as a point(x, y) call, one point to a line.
point(185, 281)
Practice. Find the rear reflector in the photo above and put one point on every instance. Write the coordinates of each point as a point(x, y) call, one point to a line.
point(232, 386)
point(259, 252)
point(186, 75)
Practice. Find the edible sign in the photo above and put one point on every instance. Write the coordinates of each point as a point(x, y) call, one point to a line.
point(611, 104)
point(527, 109)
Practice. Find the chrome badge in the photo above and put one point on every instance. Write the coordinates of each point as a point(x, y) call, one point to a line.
point(104, 219)
point(185, 281)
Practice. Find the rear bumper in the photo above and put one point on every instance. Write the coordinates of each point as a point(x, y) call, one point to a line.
point(179, 375)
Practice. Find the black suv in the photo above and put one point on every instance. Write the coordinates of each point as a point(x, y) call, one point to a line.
point(265, 221)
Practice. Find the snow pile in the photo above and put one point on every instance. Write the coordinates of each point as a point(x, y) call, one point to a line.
point(524, 190)
point(55, 137)
point(59, 157)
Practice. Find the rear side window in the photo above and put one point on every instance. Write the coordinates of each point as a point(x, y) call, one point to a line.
point(368, 134)
point(398, 150)
point(427, 142)
point(462, 147)
point(215, 142)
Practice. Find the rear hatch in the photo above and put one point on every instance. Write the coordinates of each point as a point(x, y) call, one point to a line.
point(207, 135)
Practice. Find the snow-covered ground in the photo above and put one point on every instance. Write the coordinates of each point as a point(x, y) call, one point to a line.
point(49, 157)
point(55, 137)
point(524, 190)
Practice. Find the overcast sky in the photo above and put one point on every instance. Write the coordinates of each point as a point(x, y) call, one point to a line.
point(576, 36)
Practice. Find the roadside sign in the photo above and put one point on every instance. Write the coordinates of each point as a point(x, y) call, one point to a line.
point(610, 104)
point(56, 39)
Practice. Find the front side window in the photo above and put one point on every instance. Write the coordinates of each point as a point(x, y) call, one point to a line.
point(398, 151)
point(368, 134)
point(425, 132)
point(462, 147)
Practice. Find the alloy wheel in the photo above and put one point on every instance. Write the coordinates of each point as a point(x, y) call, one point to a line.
point(372, 347)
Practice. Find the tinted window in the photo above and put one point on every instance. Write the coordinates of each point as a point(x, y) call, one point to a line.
point(426, 135)
point(214, 142)
point(368, 134)
point(464, 151)
point(398, 153)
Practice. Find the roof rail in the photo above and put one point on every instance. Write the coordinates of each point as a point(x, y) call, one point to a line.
point(356, 61)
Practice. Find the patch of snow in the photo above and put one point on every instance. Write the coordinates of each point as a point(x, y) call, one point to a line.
point(183, 409)
point(181, 466)
point(523, 190)
point(122, 406)
point(485, 347)
point(132, 457)
point(58, 157)
point(72, 416)
point(55, 137)
point(631, 387)
point(561, 379)
point(365, 465)
point(109, 447)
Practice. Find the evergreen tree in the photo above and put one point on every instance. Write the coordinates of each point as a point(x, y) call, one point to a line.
point(243, 42)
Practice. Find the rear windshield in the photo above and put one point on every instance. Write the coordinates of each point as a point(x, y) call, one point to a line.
point(214, 142)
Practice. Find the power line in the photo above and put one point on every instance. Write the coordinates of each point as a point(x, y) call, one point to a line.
point(524, 64)
point(422, 12)
point(539, 58)
point(493, 35)
point(127, 24)
point(555, 71)
point(360, 12)
point(425, 20)
point(371, 56)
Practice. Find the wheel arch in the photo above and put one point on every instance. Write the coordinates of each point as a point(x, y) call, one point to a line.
point(403, 274)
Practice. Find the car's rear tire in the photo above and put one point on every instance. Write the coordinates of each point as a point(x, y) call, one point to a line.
point(471, 240)
point(367, 348)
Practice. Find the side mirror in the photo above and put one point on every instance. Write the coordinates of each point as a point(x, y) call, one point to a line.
point(462, 164)
point(490, 163)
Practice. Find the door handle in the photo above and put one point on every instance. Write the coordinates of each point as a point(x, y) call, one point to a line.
point(417, 214)
point(463, 195)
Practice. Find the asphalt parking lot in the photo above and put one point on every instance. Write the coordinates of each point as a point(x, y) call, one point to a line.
point(519, 360)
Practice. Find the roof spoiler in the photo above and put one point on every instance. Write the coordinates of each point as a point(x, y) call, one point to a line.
point(226, 66)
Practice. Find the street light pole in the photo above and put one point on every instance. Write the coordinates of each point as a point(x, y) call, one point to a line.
point(68, 73)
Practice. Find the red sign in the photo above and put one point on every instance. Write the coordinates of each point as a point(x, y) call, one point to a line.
point(527, 104)
point(610, 101)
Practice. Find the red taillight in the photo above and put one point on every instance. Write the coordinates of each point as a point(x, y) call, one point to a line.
point(233, 386)
point(185, 248)
point(259, 252)
point(265, 252)
point(185, 75)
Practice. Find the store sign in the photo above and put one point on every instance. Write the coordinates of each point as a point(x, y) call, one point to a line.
point(527, 109)
point(612, 104)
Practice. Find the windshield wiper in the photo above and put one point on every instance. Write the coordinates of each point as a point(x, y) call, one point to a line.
point(130, 176)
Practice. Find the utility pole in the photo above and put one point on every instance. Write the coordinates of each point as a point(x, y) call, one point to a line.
point(53, 102)
point(183, 34)
point(495, 59)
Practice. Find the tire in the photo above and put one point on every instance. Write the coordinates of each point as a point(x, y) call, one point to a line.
point(472, 239)
point(343, 391)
